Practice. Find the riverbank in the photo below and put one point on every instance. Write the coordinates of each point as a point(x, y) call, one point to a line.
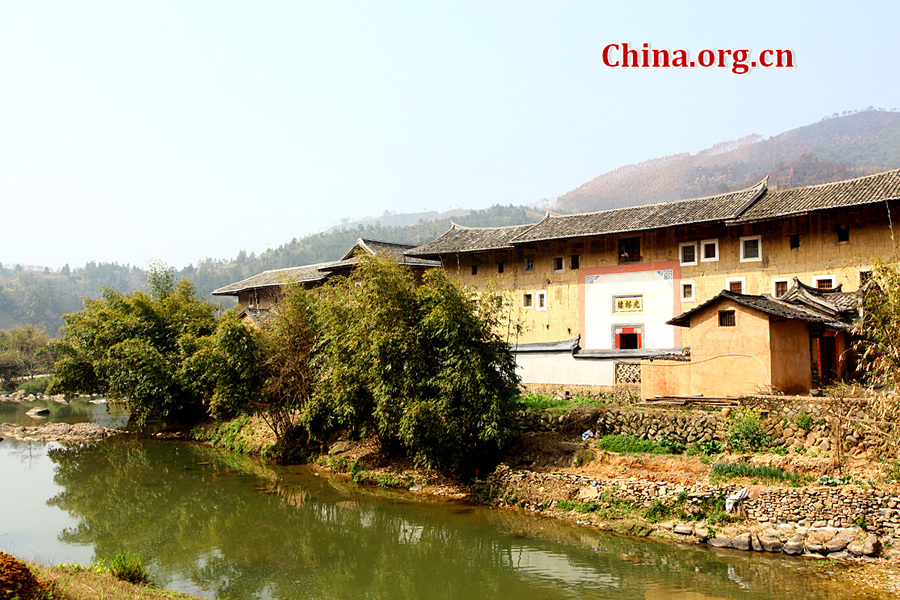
point(851, 519)
point(57, 432)
point(31, 581)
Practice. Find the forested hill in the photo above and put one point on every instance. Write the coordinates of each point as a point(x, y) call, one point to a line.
point(844, 146)
point(42, 297)
point(839, 147)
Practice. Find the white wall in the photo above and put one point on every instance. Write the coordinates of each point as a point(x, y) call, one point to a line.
point(658, 290)
point(563, 368)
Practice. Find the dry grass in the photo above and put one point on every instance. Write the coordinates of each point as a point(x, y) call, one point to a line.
point(61, 583)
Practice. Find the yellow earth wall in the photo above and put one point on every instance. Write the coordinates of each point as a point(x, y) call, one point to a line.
point(665, 378)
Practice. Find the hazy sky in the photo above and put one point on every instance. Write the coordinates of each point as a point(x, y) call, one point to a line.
point(180, 130)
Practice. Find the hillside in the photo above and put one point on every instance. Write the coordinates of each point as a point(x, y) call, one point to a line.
point(837, 148)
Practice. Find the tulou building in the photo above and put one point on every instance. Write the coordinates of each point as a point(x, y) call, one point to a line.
point(751, 290)
point(258, 294)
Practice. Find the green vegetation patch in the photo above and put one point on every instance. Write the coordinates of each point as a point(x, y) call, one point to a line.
point(738, 470)
point(541, 402)
point(745, 433)
point(630, 444)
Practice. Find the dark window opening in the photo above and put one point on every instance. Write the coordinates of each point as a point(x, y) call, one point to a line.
point(576, 262)
point(726, 318)
point(527, 300)
point(736, 286)
point(843, 233)
point(710, 251)
point(824, 284)
point(474, 269)
point(687, 291)
point(628, 341)
point(630, 250)
point(795, 241)
point(558, 264)
point(529, 265)
point(500, 267)
point(688, 254)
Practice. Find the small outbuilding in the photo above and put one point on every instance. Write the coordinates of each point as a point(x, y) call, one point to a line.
point(745, 344)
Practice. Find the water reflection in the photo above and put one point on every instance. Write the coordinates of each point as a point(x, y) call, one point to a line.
point(77, 411)
point(229, 526)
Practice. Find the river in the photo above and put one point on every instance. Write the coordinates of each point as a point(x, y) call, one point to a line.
point(222, 525)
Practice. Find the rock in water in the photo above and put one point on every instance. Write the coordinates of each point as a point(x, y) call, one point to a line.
point(38, 412)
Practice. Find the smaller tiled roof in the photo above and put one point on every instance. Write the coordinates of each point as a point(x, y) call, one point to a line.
point(375, 248)
point(259, 315)
point(275, 277)
point(459, 239)
point(839, 194)
point(563, 346)
point(764, 304)
point(642, 218)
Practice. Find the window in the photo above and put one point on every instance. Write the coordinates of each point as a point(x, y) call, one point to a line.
point(864, 277)
point(727, 318)
point(824, 282)
point(542, 300)
point(779, 287)
point(688, 253)
point(500, 267)
point(527, 300)
point(795, 241)
point(630, 250)
point(575, 263)
point(474, 269)
point(843, 234)
point(529, 265)
point(628, 337)
point(751, 249)
point(559, 265)
point(709, 250)
point(687, 291)
point(736, 284)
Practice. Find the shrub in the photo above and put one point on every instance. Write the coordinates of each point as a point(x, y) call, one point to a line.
point(745, 431)
point(804, 421)
point(125, 566)
point(657, 511)
point(38, 385)
point(706, 448)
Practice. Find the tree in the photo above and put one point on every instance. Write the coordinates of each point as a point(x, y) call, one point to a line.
point(135, 347)
point(879, 350)
point(424, 368)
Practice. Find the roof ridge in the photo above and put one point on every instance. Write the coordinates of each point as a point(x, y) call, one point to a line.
point(819, 185)
point(667, 202)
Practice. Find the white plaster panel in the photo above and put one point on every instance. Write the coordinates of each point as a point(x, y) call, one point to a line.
point(657, 288)
point(563, 368)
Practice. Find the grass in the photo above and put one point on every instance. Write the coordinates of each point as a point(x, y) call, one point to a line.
point(629, 444)
point(540, 402)
point(725, 471)
point(76, 582)
point(609, 508)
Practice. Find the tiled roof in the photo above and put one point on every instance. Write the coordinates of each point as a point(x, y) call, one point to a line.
point(642, 218)
point(765, 304)
point(850, 192)
point(373, 247)
point(275, 277)
point(471, 239)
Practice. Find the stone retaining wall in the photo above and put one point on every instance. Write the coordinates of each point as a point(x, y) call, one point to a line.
point(838, 522)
